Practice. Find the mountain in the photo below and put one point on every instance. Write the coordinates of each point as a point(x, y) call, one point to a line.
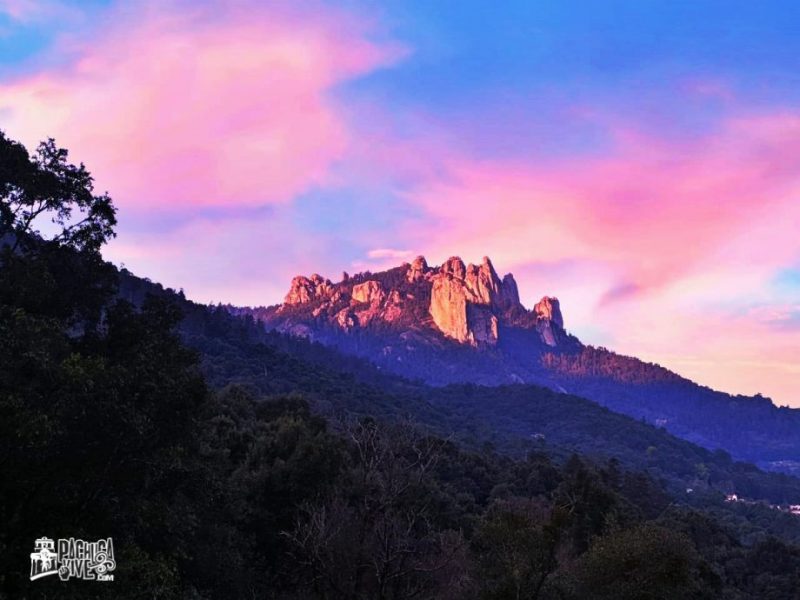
point(458, 323)
point(468, 304)
point(514, 419)
point(446, 324)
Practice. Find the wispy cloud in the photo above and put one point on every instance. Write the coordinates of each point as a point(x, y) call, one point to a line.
point(381, 253)
point(212, 106)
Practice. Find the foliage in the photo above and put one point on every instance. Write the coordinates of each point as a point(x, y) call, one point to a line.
point(46, 186)
point(646, 561)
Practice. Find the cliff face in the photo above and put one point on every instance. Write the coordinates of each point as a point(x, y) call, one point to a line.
point(466, 301)
point(549, 320)
point(305, 290)
point(469, 304)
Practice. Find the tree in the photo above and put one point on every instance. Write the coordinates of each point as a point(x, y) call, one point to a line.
point(516, 549)
point(588, 503)
point(46, 186)
point(53, 269)
point(376, 537)
point(646, 561)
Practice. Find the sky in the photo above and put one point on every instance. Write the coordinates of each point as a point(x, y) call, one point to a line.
point(640, 160)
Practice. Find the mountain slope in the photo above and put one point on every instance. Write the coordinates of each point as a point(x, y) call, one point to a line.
point(462, 323)
point(515, 419)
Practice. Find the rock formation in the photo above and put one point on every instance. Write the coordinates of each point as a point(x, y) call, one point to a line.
point(417, 269)
point(463, 299)
point(549, 309)
point(305, 289)
point(369, 291)
point(449, 306)
point(510, 293)
point(466, 303)
point(548, 313)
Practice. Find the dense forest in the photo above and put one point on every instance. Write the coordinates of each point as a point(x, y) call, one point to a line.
point(179, 431)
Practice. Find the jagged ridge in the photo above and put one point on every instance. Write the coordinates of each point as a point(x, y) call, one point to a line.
point(466, 303)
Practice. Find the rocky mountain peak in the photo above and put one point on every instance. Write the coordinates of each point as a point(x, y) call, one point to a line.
point(369, 291)
point(306, 289)
point(548, 315)
point(548, 308)
point(454, 267)
point(510, 290)
point(469, 303)
point(417, 269)
point(465, 302)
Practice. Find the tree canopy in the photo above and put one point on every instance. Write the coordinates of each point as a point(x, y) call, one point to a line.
point(44, 196)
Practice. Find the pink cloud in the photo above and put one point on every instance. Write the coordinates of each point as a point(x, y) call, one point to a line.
point(220, 106)
point(741, 352)
point(666, 241)
point(653, 211)
point(390, 253)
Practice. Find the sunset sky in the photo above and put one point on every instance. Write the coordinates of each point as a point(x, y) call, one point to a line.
point(638, 159)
